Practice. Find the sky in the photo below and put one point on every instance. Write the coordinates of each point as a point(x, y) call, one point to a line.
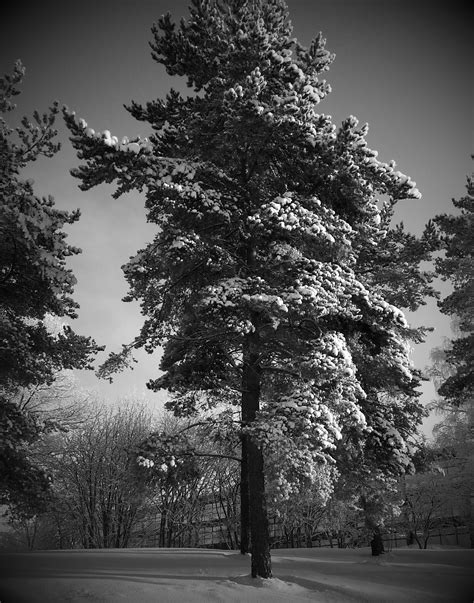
point(403, 66)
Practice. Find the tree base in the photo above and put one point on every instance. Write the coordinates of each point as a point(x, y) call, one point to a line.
point(377, 545)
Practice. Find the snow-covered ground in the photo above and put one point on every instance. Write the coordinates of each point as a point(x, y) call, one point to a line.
point(204, 576)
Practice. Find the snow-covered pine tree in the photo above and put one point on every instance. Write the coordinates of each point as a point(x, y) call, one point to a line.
point(259, 284)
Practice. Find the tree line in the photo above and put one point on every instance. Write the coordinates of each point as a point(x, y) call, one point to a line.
point(104, 495)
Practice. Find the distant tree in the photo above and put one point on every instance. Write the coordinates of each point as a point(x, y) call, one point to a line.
point(190, 473)
point(339, 523)
point(35, 284)
point(453, 437)
point(300, 517)
point(457, 267)
point(272, 280)
point(51, 409)
point(426, 504)
point(225, 487)
point(173, 477)
point(96, 496)
point(60, 405)
point(370, 467)
point(453, 440)
point(453, 367)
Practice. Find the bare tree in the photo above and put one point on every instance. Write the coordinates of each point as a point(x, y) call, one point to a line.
point(426, 503)
point(193, 482)
point(96, 492)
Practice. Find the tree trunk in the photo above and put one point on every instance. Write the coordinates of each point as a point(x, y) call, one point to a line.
point(470, 520)
point(244, 499)
point(163, 526)
point(259, 528)
point(370, 511)
point(261, 560)
point(377, 543)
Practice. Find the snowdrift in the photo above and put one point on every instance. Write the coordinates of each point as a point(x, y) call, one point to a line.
point(203, 576)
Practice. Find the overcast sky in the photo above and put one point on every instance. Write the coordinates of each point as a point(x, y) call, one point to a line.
point(404, 66)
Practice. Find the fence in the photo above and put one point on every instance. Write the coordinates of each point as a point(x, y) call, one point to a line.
point(448, 536)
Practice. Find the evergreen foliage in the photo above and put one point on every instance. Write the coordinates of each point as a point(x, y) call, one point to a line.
point(35, 290)
point(457, 266)
point(454, 367)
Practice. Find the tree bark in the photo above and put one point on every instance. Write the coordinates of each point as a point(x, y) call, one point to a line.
point(261, 560)
point(470, 492)
point(370, 511)
point(163, 526)
point(470, 520)
point(244, 499)
point(377, 543)
point(259, 528)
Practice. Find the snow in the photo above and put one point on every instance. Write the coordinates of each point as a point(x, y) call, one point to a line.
point(202, 576)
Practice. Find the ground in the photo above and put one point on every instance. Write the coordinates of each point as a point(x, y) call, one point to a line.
point(205, 576)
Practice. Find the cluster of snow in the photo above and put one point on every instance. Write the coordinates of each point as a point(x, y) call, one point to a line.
point(234, 93)
point(181, 247)
point(125, 144)
point(376, 304)
point(330, 355)
point(162, 467)
point(390, 439)
point(399, 357)
point(390, 310)
point(239, 296)
point(284, 56)
point(144, 462)
point(178, 192)
point(287, 213)
point(322, 288)
point(228, 293)
point(263, 301)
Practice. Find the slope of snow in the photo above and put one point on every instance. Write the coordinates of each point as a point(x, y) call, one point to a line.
point(203, 576)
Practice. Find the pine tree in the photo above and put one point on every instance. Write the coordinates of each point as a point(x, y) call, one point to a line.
point(35, 292)
point(457, 265)
point(268, 282)
point(455, 383)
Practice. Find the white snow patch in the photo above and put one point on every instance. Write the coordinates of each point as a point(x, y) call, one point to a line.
point(202, 576)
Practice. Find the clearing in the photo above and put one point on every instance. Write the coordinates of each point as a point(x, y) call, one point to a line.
point(204, 576)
